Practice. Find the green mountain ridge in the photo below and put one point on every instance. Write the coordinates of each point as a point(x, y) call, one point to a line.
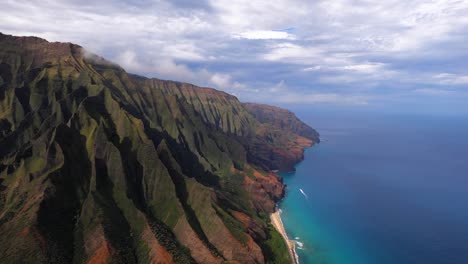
point(101, 166)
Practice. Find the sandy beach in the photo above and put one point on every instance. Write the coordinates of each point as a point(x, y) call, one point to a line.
point(278, 224)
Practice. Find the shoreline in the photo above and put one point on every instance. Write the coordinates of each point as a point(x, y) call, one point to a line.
point(278, 224)
point(275, 217)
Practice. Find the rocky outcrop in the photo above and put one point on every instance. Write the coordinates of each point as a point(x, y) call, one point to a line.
point(282, 119)
point(98, 165)
point(281, 138)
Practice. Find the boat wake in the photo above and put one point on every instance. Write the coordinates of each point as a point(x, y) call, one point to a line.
point(303, 193)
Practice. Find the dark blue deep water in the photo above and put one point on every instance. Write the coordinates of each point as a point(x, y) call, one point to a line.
point(381, 189)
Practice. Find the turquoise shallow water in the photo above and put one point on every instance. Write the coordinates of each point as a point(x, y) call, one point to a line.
point(381, 189)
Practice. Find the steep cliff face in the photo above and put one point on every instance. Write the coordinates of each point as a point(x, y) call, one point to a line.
point(98, 166)
point(282, 119)
point(281, 137)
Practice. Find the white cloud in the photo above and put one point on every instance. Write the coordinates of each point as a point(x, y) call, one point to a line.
point(280, 86)
point(183, 51)
point(221, 80)
point(313, 68)
point(290, 52)
point(264, 34)
point(451, 79)
point(365, 68)
point(128, 60)
point(167, 68)
point(240, 15)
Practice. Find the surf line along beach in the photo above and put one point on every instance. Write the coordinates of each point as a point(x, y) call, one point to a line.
point(278, 224)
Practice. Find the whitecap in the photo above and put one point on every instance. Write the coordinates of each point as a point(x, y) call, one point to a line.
point(296, 256)
point(299, 244)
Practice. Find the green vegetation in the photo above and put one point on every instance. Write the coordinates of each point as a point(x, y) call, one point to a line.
point(234, 226)
point(274, 248)
point(180, 254)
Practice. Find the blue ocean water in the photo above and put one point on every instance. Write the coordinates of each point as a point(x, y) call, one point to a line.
point(381, 188)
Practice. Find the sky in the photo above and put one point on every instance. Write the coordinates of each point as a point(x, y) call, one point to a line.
point(362, 54)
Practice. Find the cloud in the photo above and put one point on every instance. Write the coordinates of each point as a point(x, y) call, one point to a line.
point(128, 59)
point(225, 82)
point(451, 79)
point(221, 80)
point(365, 67)
point(264, 34)
point(184, 51)
point(340, 51)
point(280, 86)
point(168, 68)
point(313, 68)
point(189, 4)
point(293, 53)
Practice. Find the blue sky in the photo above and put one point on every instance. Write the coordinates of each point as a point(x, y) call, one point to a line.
point(401, 55)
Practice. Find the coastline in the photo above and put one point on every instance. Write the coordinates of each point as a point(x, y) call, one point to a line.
point(278, 224)
point(275, 217)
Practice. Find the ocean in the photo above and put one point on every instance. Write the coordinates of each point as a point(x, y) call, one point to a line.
point(380, 189)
